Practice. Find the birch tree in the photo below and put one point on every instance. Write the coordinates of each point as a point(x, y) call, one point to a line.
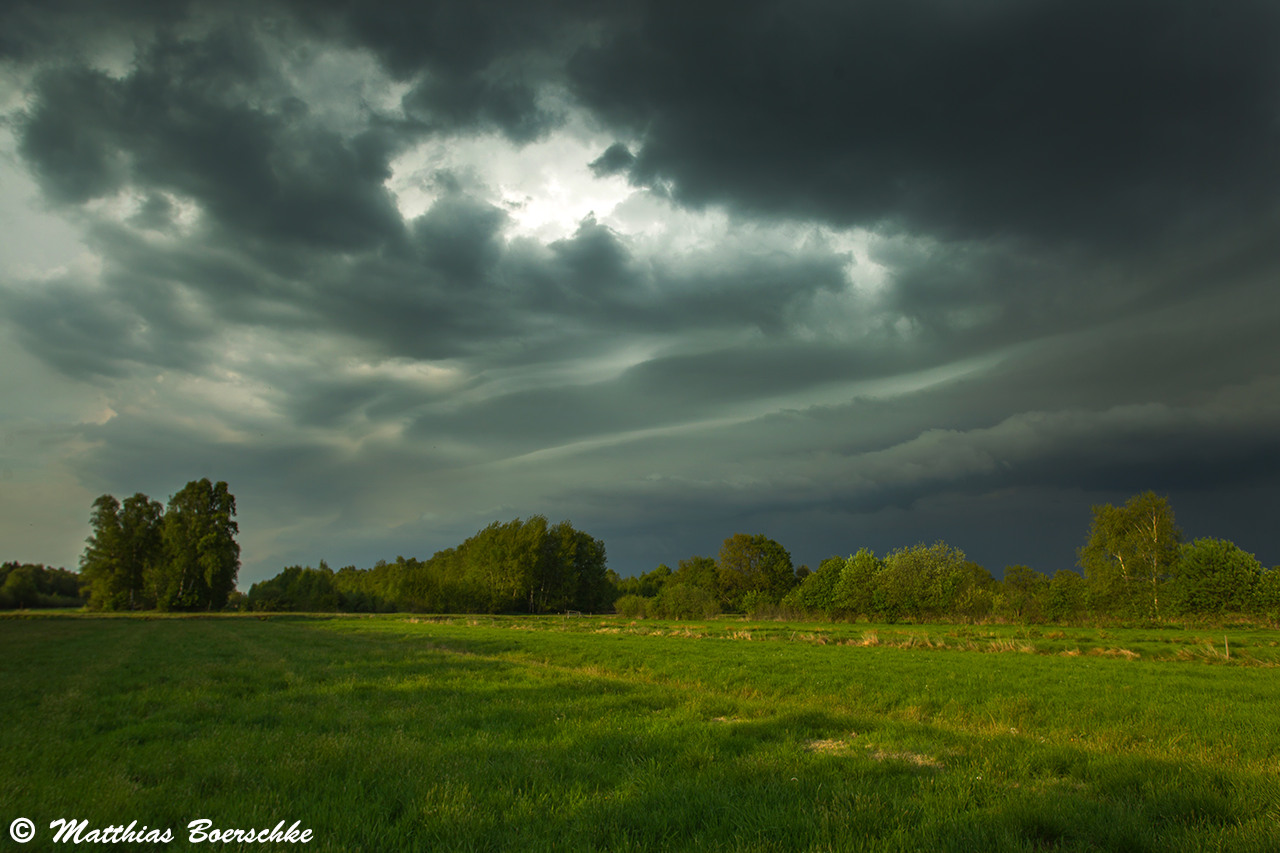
point(1131, 552)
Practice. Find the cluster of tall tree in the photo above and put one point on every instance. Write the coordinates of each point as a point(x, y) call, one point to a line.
point(142, 555)
point(519, 566)
point(24, 585)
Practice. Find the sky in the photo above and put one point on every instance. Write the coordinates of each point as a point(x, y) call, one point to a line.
point(847, 274)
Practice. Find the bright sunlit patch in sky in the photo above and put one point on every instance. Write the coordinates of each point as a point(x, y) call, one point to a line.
point(410, 371)
point(546, 188)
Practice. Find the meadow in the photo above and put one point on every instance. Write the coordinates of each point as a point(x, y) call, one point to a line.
point(551, 733)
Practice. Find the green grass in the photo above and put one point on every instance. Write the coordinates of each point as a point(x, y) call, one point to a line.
point(393, 733)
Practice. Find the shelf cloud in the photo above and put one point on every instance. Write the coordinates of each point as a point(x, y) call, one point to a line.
point(843, 274)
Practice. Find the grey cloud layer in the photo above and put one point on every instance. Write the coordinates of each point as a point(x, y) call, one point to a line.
point(1074, 207)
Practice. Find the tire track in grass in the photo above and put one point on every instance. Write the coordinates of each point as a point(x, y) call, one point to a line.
point(84, 671)
point(82, 681)
point(258, 641)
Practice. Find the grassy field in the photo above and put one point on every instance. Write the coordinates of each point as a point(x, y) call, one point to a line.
point(403, 733)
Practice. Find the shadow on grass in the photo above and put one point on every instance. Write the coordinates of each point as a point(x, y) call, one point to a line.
point(539, 758)
point(382, 740)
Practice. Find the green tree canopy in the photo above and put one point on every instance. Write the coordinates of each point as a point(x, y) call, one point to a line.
point(1067, 599)
point(753, 564)
point(102, 563)
point(646, 584)
point(1266, 598)
point(684, 601)
point(202, 557)
point(923, 581)
point(855, 592)
point(141, 529)
point(19, 588)
point(516, 566)
point(696, 571)
point(304, 590)
point(817, 590)
point(1214, 576)
point(34, 585)
point(1024, 593)
point(123, 553)
point(1129, 555)
point(976, 595)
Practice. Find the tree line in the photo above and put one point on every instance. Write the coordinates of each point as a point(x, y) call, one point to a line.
point(528, 566)
point(1134, 565)
point(27, 585)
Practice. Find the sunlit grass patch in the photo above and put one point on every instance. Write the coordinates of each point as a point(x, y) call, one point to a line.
point(914, 758)
point(829, 745)
point(462, 733)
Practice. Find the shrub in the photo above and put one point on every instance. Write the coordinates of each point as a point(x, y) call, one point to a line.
point(632, 606)
point(684, 601)
point(1214, 576)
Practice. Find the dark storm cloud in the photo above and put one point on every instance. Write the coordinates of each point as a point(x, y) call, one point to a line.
point(80, 337)
point(1037, 471)
point(295, 225)
point(455, 288)
point(1080, 120)
point(476, 66)
point(156, 214)
point(158, 457)
point(470, 104)
point(1068, 286)
point(183, 122)
point(455, 37)
point(36, 31)
point(1150, 400)
point(1053, 119)
point(595, 277)
point(615, 160)
point(151, 306)
point(460, 239)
